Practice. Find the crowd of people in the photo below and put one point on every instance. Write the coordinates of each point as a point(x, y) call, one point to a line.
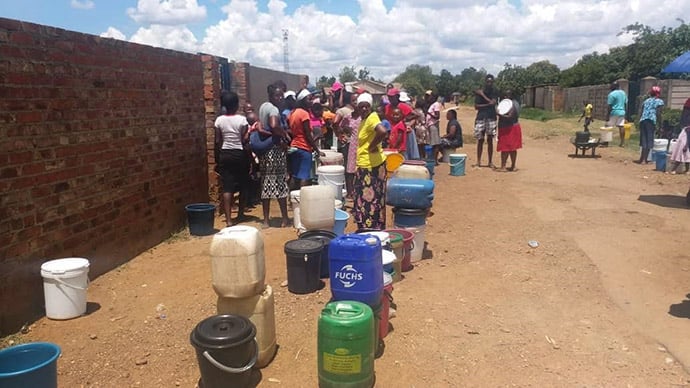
point(263, 156)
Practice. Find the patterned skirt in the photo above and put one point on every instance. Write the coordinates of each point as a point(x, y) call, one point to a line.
point(273, 167)
point(369, 208)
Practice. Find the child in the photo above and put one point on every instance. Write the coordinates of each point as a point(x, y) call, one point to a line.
point(254, 189)
point(681, 153)
point(587, 114)
point(398, 136)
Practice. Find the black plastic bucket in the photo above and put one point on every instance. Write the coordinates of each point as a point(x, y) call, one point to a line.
point(303, 265)
point(322, 235)
point(200, 218)
point(225, 350)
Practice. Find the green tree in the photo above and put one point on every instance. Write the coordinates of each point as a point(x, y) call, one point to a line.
point(512, 77)
point(324, 81)
point(445, 84)
point(542, 72)
point(416, 79)
point(469, 80)
point(347, 74)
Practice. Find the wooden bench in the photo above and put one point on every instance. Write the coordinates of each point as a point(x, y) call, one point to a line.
point(582, 142)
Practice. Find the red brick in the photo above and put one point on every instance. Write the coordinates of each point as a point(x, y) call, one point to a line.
point(32, 169)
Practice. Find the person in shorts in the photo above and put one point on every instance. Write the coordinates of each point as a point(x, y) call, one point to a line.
point(617, 101)
point(485, 123)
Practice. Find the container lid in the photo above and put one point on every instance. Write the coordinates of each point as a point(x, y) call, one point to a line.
point(458, 155)
point(346, 310)
point(319, 234)
point(384, 237)
point(222, 331)
point(387, 257)
point(387, 278)
point(302, 246)
point(415, 163)
point(331, 169)
point(61, 266)
point(396, 238)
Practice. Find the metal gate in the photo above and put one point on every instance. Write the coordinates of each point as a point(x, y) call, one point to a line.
point(633, 100)
point(225, 68)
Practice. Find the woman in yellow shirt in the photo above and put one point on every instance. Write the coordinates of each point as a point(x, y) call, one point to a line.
point(370, 176)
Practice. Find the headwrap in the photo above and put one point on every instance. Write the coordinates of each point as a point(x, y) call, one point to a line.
point(365, 97)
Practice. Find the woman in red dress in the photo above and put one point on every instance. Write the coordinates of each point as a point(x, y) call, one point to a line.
point(509, 134)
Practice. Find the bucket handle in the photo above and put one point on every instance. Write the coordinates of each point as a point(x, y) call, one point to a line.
point(230, 369)
point(73, 286)
point(461, 161)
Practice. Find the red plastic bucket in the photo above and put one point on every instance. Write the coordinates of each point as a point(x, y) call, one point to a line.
point(408, 242)
point(386, 300)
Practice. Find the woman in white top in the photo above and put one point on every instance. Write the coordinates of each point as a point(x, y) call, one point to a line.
point(230, 154)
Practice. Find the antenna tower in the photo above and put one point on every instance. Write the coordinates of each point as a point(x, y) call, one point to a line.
point(286, 52)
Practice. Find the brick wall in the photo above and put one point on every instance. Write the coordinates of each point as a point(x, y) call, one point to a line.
point(102, 143)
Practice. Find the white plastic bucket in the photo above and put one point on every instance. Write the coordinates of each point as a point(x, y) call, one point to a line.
point(445, 154)
point(418, 248)
point(660, 145)
point(331, 158)
point(333, 176)
point(605, 135)
point(64, 286)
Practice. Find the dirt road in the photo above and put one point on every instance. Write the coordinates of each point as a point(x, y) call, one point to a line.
point(598, 303)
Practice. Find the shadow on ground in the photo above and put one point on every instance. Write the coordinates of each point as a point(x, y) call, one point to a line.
point(665, 200)
point(682, 309)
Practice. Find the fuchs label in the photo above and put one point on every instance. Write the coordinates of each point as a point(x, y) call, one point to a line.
point(341, 364)
point(348, 276)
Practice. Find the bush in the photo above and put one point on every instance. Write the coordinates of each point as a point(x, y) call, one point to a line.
point(671, 118)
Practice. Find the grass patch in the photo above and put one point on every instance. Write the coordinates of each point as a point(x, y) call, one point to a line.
point(13, 339)
point(540, 114)
point(180, 235)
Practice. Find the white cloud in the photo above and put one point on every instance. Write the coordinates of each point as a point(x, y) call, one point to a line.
point(172, 37)
point(82, 4)
point(168, 12)
point(439, 33)
point(114, 33)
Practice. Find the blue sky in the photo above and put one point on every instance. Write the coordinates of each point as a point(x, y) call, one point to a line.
point(382, 35)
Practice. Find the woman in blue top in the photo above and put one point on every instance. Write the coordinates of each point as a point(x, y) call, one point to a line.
point(649, 121)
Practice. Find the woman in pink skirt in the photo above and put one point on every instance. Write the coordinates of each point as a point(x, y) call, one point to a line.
point(509, 134)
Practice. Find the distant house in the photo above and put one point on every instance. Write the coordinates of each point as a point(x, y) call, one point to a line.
point(375, 88)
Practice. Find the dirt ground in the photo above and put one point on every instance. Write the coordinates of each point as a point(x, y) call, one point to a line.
point(603, 301)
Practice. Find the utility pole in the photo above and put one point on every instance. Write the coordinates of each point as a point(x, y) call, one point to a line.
point(286, 52)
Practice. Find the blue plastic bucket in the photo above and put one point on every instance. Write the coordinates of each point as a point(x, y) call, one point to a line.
point(200, 218)
point(457, 164)
point(356, 266)
point(29, 365)
point(428, 150)
point(659, 159)
point(341, 218)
